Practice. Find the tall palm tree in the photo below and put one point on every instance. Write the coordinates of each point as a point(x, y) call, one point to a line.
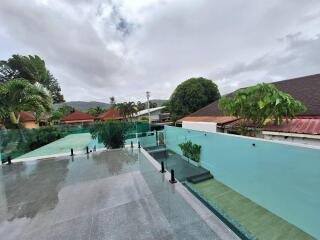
point(20, 95)
point(123, 109)
point(95, 111)
point(127, 109)
point(132, 109)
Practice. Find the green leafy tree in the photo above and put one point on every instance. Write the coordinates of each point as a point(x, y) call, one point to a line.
point(60, 113)
point(191, 95)
point(33, 69)
point(153, 104)
point(111, 133)
point(54, 89)
point(260, 104)
point(66, 110)
point(56, 116)
point(141, 106)
point(20, 95)
point(96, 111)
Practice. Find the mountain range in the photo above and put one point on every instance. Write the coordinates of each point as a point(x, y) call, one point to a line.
point(84, 106)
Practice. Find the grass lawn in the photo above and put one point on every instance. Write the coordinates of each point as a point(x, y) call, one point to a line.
point(255, 219)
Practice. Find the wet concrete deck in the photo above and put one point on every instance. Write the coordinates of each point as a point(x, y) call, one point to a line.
point(108, 195)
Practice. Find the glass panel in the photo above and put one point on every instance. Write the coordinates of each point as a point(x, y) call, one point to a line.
point(270, 178)
point(53, 140)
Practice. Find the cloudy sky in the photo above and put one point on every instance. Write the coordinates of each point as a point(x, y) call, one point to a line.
point(121, 48)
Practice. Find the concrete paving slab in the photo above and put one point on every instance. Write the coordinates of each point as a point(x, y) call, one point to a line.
point(116, 194)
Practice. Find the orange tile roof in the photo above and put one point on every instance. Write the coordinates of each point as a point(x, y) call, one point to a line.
point(78, 116)
point(111, 114)
point(27, 116)
point(215, 119)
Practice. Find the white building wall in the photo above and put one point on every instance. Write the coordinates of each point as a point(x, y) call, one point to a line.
point(310, 140)
point(200, 126)
point(155, 116)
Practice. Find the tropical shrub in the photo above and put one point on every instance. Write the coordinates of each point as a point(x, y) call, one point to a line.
point(20, 141)
point(190, 150)
point(111, 133)
point(260, 104)
point(43, 136)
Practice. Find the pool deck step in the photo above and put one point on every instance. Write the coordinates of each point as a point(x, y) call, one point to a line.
point(184, 170)
point(200, 178)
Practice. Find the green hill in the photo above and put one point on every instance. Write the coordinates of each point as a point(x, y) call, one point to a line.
point(82, 105)
point(159, 102)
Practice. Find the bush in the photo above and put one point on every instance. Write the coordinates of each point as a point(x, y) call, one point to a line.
point(44, 135)
point(261, 104)
point(111, 133)
point(16, 142)
point(191, 150)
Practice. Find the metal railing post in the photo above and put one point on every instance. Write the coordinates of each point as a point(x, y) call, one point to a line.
point(172, 180)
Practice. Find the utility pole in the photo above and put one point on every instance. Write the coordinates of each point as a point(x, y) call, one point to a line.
point(148, 98)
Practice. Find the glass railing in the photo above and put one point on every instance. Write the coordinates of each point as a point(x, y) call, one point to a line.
point(250, 175)
point(55, 140)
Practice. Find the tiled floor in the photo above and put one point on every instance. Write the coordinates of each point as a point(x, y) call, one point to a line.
point(108, 195)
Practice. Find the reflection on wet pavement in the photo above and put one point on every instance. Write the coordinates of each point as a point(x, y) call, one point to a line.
point(109, 195)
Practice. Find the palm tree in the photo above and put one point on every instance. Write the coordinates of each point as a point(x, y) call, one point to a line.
point(132, 109)
point(122, 108)
point(95, 111)
point(20, 95)
point(127, 109)
point(141, 106)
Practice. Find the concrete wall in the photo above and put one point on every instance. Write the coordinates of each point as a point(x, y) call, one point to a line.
point(31, 124)
point(283, 178)
point(200, 126)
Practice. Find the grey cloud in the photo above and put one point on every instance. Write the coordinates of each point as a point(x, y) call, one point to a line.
point(102, 48)
point(300, 57)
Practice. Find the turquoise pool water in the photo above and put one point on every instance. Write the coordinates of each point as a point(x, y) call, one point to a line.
point(283, 178)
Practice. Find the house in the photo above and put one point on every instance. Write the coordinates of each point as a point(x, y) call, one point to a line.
point(302, 129)
point(298, 130)
point(155, 114)
point(28, 119)
point(206, 123)
point(78, 118)
point(111, 114)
